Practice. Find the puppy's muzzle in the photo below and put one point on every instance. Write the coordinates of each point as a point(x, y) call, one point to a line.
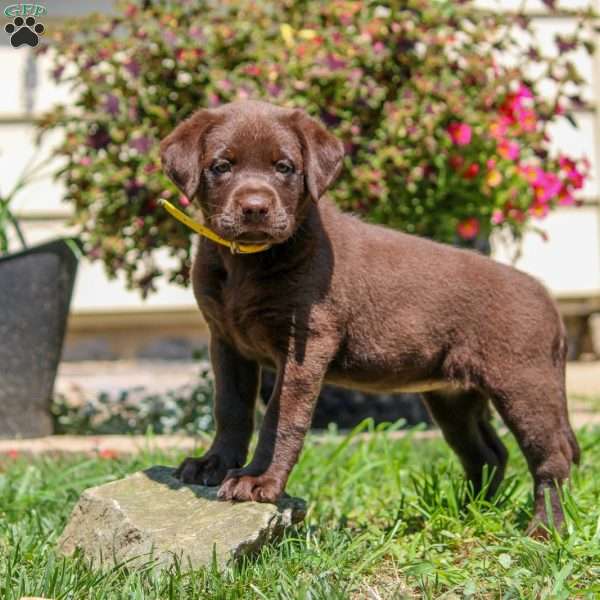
point(255, 209)
point(254, 204)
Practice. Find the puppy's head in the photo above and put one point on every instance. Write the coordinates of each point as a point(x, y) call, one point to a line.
point(252, 167)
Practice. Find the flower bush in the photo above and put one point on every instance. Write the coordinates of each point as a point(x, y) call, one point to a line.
point(446, 133)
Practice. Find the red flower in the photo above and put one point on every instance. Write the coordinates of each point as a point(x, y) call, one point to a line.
point(468, 229)
point(252, 70)
point(456, 162)
point(108, 454)
point(471, 171)
point(131, 10)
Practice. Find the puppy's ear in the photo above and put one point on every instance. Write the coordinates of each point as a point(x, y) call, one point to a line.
point(322, 153)
point(181, 151)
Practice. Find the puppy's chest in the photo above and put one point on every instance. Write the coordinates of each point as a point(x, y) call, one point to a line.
point(254, 318)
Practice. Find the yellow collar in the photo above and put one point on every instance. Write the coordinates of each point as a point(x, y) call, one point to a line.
point(211, 235)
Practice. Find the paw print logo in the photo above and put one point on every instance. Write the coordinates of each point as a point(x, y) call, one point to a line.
point(24, 31)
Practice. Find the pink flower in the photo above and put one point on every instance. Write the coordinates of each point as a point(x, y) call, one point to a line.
point(378, 47)
point(85, 161)
point(547, 187)
point(509, 150)
point(577, 179)
point(497, 216)
point(539, 210)
point(565, 198)
point(225, 85)
point(524, 92)
point(499, 129)
point(575, 176)
point(213, 99)
point(184, 201)
point(565, 163)
point(531, 174)
point(468, 229)
point(517, 108)
point(460, 133)
point(527, 119)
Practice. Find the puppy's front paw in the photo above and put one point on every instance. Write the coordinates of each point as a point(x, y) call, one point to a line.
point(207, 470)
point(257, 488)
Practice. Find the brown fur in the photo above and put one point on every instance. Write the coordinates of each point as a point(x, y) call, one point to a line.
point(357, 305)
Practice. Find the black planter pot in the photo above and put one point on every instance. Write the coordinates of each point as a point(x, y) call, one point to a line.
point(36, 286)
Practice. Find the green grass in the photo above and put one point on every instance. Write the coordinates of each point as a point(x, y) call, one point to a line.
point(385, 521)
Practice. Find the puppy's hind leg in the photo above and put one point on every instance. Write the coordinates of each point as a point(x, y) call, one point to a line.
point(464, 418)
point(532, 403)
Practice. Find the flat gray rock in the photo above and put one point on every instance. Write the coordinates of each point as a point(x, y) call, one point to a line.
point(151, 516)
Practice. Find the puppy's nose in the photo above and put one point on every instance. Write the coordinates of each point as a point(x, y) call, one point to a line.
point(254, 208)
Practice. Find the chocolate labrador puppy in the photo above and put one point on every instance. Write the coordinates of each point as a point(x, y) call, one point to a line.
point(335, 299)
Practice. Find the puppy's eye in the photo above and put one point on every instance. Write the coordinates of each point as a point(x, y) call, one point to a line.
point(285, 167)
point(221, 166)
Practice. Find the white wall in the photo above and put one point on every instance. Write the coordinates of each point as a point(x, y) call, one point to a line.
point(569, 263)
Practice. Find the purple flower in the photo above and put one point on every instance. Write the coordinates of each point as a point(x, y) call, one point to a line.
point(57, 73)
point(335, 62)
point(196, 33)
point(111, 104)
point(170, 37)
point(564, 43)
point(133, 67)
point(273, 89)
point(99, 139)
point(132, 187)
point(329, 119)
point(141, 144)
